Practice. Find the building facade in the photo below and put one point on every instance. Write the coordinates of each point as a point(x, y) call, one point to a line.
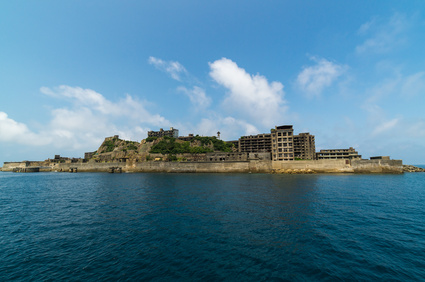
point(260, 143)
point(349, 153)
point(304, 146)
point(282, 143)
point(161, 133)
point(190, 137)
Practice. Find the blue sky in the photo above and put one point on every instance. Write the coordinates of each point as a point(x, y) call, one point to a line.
point(352, 73)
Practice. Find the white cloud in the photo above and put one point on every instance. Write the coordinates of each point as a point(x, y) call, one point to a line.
point(250, 95)
point(312, 80)
point(127, 107)
point(197, 97)
point(230, 128)
point(384, 36)
point(175, 69)
point(385, 126)
point(13, 131)
point(87, 120)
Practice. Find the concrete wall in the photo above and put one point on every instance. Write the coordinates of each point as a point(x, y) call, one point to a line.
point(265, 166)
point(190, 167)
point(159, 166)
point(315, 165)
point(377, 166)
point(335, 165)
point(87, 167)
point(9, 166)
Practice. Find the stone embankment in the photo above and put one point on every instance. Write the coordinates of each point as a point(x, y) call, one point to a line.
point(292, 171)
point(411, 168)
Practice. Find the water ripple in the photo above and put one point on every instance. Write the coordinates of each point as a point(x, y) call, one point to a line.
point(256, 227)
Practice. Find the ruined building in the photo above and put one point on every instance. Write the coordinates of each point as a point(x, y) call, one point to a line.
point(283, 143)
point(349, 153)
point(161, 133)
point(260, 143)
point(304, 146)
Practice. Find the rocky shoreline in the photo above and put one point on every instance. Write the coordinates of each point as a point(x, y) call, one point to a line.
point(411, 168)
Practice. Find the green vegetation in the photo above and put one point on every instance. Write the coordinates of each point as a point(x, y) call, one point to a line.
point(151, 139)
point(219, 145)
point(132, 146)
point(169, 146)
point(110, 145)
point(172, 158)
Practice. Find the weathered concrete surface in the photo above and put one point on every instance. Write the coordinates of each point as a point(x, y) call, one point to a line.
point(263, 166)
point(160, 166)
point(377, 166)
point(327, 166)
point(339, 166)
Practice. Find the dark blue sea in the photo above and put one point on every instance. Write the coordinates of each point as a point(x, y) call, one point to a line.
point(211, 227)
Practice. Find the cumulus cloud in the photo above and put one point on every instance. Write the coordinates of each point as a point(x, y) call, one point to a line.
point(175, 69)
point(383, 36)
point(252, 96)
point(197, 97)
point(229, 127)
point(16, 132)
point(126, 107)
point(313, 79)
point(87, 120)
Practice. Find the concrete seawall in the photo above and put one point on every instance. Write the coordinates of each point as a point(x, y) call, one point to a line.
point(327, 166)
point(342, 166)
point(377, 166)
point(177, 167)
point(318, 166)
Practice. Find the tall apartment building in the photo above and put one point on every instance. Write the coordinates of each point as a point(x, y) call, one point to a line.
point(304, 146)
point(260, 143)
point(349, 153)
point(161, 133)
point(282, 143)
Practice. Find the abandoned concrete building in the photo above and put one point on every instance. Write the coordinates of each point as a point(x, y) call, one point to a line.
point(282, 143)
point(161, 133)
point(88, 155)
point(260, 143)
point(349, 153)
point(190, 137)
point(304, 146)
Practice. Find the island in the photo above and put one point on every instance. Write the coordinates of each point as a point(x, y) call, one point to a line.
point(279, 151)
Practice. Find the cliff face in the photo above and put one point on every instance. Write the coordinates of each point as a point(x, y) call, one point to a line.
point(115, 149)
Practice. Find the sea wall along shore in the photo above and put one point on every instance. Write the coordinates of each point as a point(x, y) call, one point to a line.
point(264, 166)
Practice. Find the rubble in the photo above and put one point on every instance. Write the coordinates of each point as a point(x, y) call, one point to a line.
point(411, 168)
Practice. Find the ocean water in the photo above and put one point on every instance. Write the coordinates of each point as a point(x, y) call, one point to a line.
point(211, 227)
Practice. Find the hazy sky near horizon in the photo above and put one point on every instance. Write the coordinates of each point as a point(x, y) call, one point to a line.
point(352, 73)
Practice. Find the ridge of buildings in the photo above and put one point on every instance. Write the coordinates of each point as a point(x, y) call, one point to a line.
point(281, 144)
